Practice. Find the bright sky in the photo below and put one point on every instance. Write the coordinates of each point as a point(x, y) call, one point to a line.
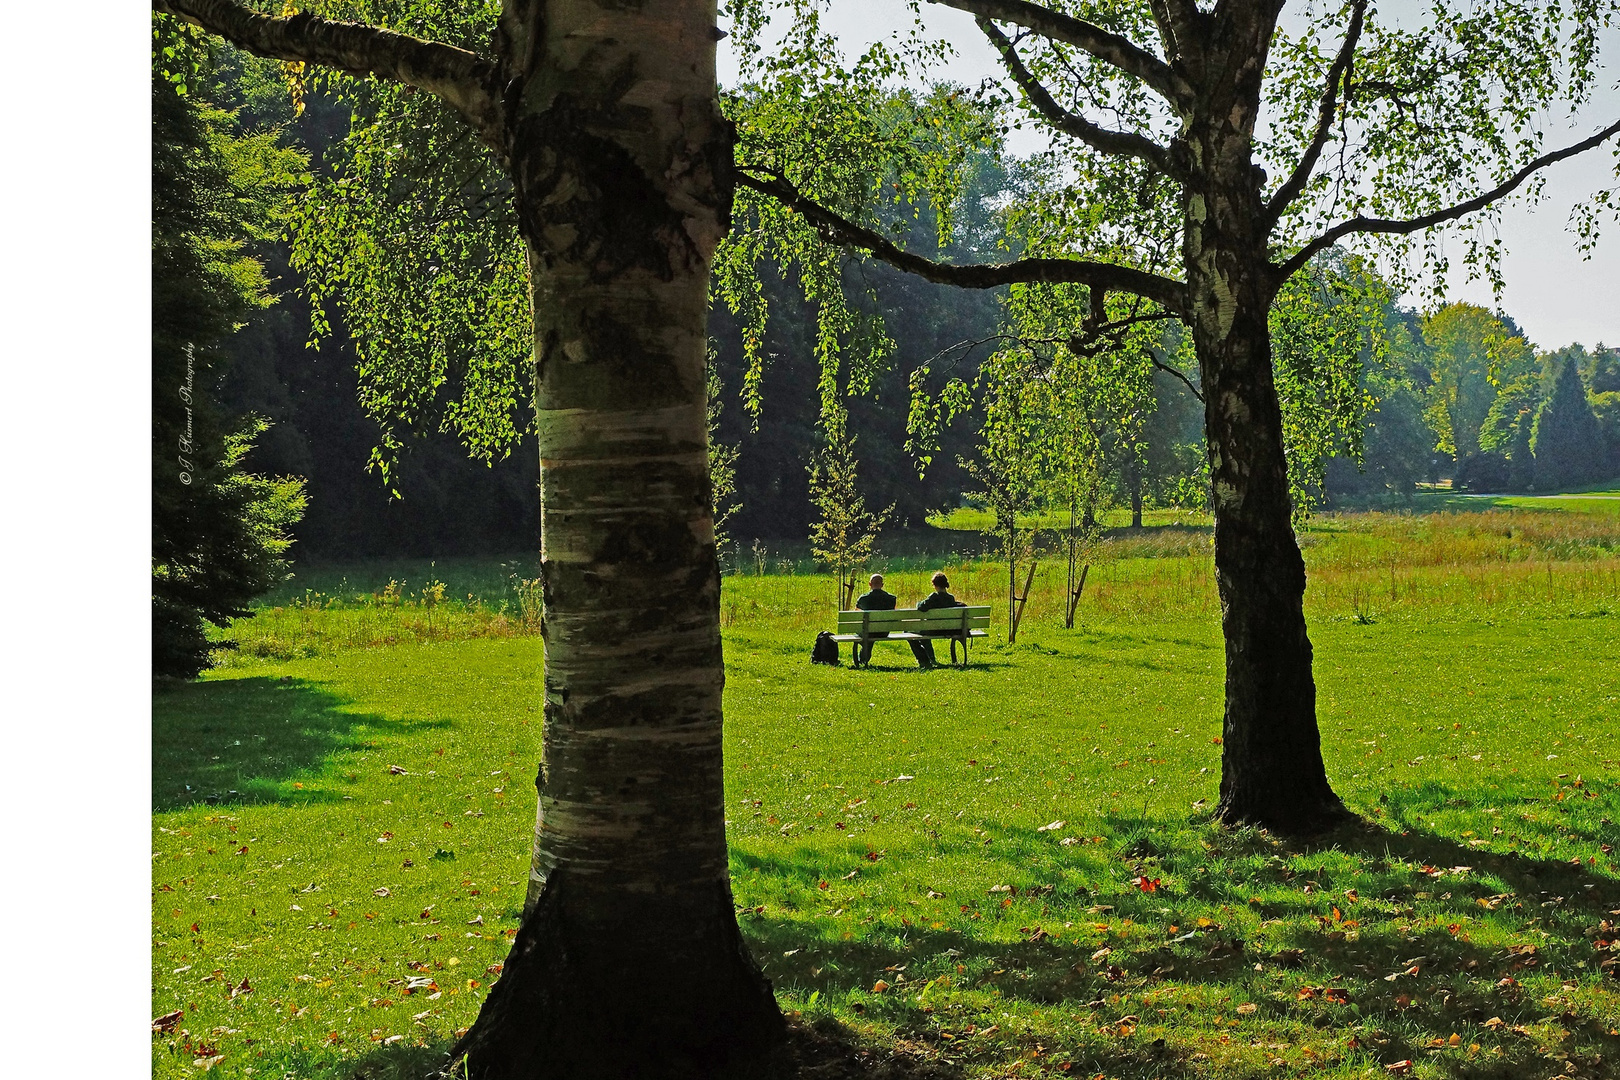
point(1552, 293)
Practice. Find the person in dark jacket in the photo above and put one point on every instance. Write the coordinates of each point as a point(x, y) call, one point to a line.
point(875, 600)
point(924, 650)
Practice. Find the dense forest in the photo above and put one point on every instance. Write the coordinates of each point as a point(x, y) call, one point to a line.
point(1456, 392)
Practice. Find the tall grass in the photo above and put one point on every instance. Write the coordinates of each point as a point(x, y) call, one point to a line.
point(1361, 567)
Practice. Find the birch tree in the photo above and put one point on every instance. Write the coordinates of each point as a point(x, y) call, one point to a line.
point(1211, 151)
point(588, 175)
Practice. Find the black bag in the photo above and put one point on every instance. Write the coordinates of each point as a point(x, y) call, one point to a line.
point(826, 649)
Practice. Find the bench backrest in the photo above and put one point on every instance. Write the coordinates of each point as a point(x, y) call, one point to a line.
point(937, 621)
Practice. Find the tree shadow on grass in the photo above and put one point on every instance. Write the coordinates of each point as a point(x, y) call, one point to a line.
point(1418, 938)
point(908, 666)
point(821, 1050)
point(245, 740)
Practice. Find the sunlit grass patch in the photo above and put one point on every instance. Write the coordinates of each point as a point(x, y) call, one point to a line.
point(1007, 869)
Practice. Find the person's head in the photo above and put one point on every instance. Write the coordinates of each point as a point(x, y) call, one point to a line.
point(876, 581)
point(941, 582)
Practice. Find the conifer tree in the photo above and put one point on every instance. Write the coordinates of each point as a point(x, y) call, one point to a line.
point(1567, 443)
point(219, 533)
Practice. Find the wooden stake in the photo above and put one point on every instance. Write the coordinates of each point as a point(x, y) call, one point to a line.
point(1018, 615)
point(1074, 598)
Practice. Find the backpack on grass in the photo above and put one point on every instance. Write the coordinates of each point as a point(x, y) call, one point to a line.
point(826, 649)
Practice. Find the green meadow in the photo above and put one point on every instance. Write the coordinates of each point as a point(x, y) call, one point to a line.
point(1003, 871)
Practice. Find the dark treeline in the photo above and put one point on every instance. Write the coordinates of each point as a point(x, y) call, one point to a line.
point(1459, 393)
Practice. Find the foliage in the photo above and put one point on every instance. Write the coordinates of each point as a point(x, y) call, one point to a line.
point(1011, 465)
point(408, 233)
point(722, 466)
point(1396, 444)
point(1327, 327)
point(1566, 440)
point(219, 534)
point(897, 159)
point(1473, 352)
point(1606, 407)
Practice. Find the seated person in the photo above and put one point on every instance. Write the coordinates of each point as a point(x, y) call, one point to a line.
point(924, 650)
point(876, 600)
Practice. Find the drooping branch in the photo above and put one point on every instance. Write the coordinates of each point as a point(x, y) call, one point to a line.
point(1391, 227)
point(463, 80)
point(1109, 47)
point(1101, 277)
point(1105, 140)
point(1338, 76)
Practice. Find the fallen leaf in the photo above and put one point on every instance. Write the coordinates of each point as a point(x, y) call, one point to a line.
point(168, 1021)
point(380, 891)
point(242, 988)
point(207, 1062)
point(1403, 1066)
point(396, 770)
point(879, 986)
point(1248, 1007)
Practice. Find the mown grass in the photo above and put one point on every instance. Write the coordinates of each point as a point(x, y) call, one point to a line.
point(891, 827)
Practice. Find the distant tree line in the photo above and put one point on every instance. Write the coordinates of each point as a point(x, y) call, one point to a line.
point(1458, 392)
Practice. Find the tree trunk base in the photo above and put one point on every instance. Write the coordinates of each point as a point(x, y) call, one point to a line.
point(1294, 810)
point(657, 992)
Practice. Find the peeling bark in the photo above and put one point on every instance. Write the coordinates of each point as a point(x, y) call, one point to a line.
point(629, 962)
point(1272, 773)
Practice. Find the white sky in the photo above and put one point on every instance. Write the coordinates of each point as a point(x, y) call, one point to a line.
point(1555, 296)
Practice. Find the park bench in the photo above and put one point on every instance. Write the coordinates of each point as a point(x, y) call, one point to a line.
point(953, 624)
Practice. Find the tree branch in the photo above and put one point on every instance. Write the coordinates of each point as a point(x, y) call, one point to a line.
point(1411, 225)
point(1338, 75)
point(1177, 373)
point(1100, 276)
point(463, 80)
point(1104, 140)
point(1106, 46)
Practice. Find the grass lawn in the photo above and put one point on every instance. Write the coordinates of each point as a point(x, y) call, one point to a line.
point(1007, 869)
point(1599, 499)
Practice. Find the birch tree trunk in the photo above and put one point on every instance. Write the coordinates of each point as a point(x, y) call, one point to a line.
point(1272, 772)
point(629, 962)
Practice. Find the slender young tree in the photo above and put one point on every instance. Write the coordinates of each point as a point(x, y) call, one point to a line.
point(844, 533)
point(606, 136)
point(1010, 466)
point(1208, 153)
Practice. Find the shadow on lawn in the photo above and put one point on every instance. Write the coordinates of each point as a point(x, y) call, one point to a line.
point(244, 740)
point(823, 1050)
point(1364, 948)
